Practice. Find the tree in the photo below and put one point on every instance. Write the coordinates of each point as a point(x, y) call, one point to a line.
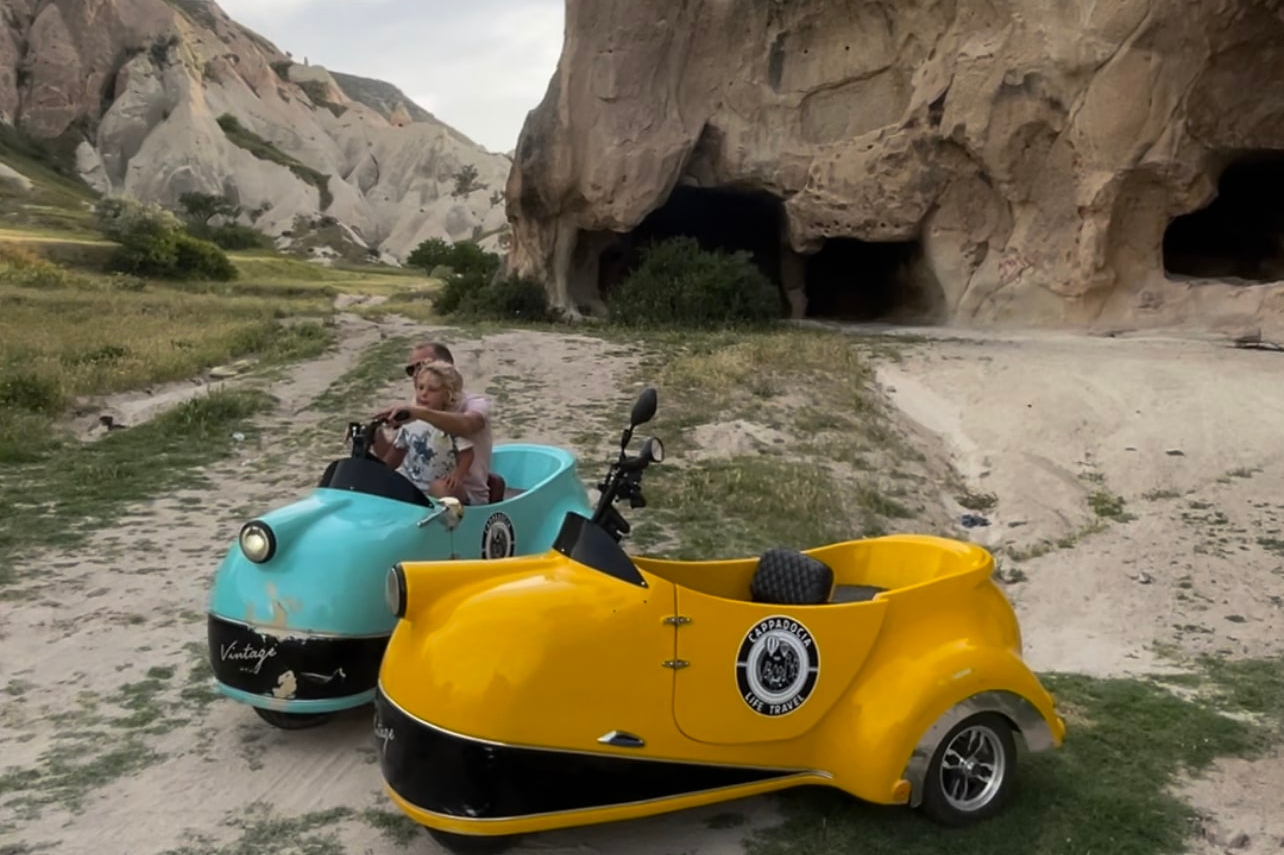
point(464, 258)
point(466, 181)
point(200, 208)
point(430, 255)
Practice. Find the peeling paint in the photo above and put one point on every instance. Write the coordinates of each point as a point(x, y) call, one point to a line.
point(324, 678)
point(286, 686)
point(279, 616)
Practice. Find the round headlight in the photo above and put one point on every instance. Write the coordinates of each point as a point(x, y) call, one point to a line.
point(654, 450)
point(257, 541)
point(394, 591)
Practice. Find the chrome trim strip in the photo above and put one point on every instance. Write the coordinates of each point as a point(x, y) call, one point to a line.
point(1030, 723)
point(484, 741)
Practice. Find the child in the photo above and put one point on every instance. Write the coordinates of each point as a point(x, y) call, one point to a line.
point(429, 458)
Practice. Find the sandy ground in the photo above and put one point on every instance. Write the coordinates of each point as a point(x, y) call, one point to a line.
point(1190, 433)
point(1041, 421)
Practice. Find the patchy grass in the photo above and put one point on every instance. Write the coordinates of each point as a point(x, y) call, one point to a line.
point(979, 502)
point(68, 489)
point(267, 268)
point(743, 505)
point(1107, 505)
point(395, 826)
point(263, 832)
point(57, 199)
point(378, 366)
point(1106, 790)
point(95, 742)
point(415, 304)
point(815, 454)
point(85, 335)
point(1160, 493)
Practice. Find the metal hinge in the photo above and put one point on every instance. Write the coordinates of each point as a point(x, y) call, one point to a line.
point(677, 620)
point(675, 664)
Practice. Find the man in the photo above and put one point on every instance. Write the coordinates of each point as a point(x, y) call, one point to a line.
point(471, 420)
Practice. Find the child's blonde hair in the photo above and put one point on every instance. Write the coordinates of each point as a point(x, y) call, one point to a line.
point(450, 379)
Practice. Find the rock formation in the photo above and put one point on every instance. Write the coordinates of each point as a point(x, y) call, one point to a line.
point(956, 161)
point(156, 98)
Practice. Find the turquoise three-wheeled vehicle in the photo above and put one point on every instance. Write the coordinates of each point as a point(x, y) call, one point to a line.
point(297, 619)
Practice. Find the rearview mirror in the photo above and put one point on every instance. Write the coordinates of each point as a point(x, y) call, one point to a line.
point(643, 408)
point(653, 450)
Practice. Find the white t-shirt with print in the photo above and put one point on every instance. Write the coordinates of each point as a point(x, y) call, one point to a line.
point(430, 453)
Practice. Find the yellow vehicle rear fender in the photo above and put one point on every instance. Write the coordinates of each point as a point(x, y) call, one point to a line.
point(1027, 721)
point(897, 715)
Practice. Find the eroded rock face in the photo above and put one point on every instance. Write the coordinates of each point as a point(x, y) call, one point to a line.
point(136, 89)
point(1035, 152)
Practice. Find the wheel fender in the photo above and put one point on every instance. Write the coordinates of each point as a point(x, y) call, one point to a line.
point(901, 714)
point(1026, 720)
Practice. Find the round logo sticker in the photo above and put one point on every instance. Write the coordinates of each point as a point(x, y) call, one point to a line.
point(497, 537)
point(777, 666)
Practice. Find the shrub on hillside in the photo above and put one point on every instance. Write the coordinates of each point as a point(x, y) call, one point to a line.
point(462, 258)
point(678, 284)
point(512, 298)
point(235, 236)
point(152, 242)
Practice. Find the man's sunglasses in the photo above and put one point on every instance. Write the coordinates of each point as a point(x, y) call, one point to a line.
point(412, 368)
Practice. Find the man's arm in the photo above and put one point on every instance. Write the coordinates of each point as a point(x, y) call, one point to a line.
point(457, 424)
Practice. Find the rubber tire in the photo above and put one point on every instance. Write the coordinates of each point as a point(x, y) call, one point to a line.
point(788, 577)
point(936, 807)
point(293, 721)
point(469, 844)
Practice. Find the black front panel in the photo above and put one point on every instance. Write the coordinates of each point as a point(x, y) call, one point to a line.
point(579, 539)
point(452, 775)
point(318, 668)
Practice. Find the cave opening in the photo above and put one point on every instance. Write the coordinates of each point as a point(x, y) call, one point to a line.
point(847, 279)
point(726, 219)
point(1240, 234)
point(864, 281)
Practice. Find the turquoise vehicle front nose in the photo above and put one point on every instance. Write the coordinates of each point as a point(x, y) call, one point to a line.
point(297, 616)
point(306, 628)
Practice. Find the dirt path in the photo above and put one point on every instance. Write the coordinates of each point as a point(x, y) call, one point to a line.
point(1190, 434)
point(105, 664)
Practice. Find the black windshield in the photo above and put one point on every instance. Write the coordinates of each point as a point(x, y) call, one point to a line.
point(580, 540)
point(365, 475)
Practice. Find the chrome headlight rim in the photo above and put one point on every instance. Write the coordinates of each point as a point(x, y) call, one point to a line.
point(394, 591)
point(261, 531)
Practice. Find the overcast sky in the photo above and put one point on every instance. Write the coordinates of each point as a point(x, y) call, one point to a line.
point(478, 65)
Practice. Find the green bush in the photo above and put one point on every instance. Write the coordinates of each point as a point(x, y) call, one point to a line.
point(680, 285)
point(35, 393)
point(237, 236)
point(462, 258)
point(474, 295)
point(200, 259)
point(152, 242)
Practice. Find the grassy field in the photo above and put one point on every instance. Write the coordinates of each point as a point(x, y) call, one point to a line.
point(68, 331)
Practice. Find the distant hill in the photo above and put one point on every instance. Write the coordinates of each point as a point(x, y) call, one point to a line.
point(155, 98)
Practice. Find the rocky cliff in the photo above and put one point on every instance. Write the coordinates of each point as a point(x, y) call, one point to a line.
point(961, 161)
point(155, 98)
